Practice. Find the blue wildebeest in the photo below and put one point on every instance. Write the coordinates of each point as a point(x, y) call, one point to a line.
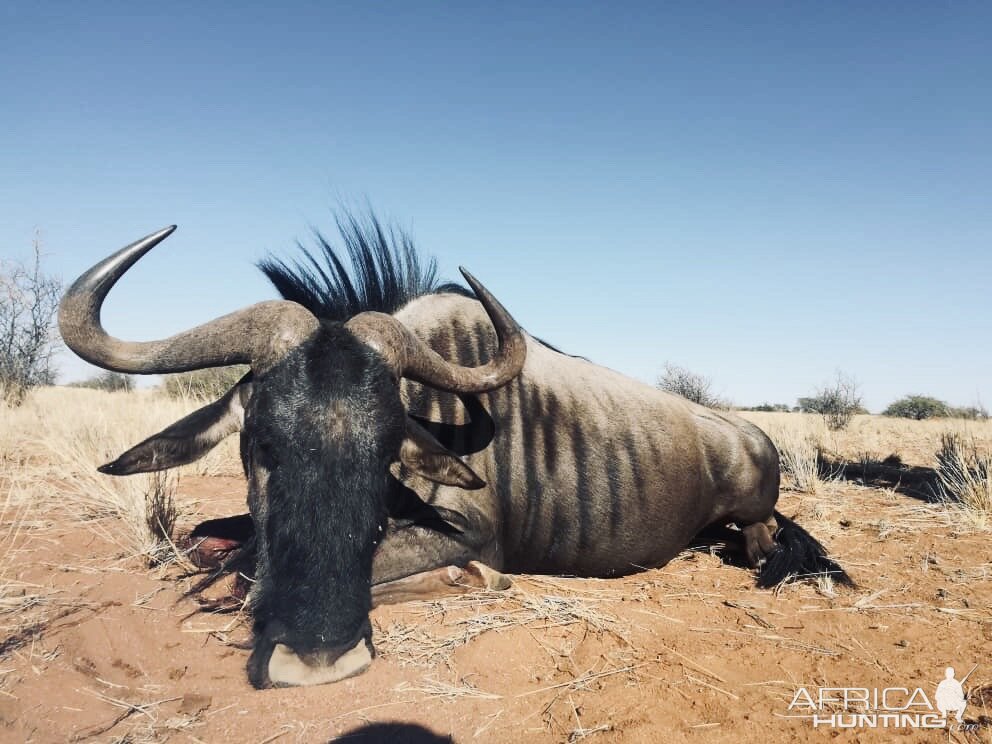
point(402, 439)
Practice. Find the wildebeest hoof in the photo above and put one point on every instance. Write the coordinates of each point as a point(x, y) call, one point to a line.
point(485, 577)
point(213, 541)
point(209, 552)
point(233, 601)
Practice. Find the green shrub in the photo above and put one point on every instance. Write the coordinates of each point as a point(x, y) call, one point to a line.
point(922, 407)
point(917, 407)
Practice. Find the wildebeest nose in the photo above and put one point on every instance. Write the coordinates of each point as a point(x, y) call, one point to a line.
point(277, 660)
point(287, 668)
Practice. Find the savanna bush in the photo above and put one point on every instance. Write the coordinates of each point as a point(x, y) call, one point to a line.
point(207, 384)
point(769, 408)
point(690, 385)
point(29, 299)
point(917, 407)
point(920, 407)
point(111, 382)
point(838, 402)
point(972, 413)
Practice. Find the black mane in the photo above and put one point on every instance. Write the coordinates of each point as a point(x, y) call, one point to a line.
point(385, 271)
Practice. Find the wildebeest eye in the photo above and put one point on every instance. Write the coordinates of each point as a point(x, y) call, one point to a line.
point(265, 454)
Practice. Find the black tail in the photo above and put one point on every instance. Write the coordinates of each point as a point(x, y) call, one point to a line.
point(798, 554)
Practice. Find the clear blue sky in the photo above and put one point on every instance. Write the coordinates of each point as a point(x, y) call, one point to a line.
point(762, 192)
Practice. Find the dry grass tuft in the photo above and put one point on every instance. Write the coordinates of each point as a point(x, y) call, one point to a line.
point(161, 515)
point(799, 440)
point(53, 443)
point(964, 473)
point(800, 458)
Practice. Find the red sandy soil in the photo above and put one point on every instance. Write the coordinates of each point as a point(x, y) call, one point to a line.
point(688, 652)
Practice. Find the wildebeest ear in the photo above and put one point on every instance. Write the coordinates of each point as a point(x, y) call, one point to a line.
point(190, 438)
point(424, 455)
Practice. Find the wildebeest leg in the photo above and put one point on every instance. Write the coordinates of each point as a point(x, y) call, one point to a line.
point(754, 513)
point(439, 582)
point(416, 562)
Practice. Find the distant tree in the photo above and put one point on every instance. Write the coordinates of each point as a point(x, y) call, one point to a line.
point(770, 407)
point(917, 407)
point(838, 402)
point(690, 385)
point(29, 299)
point(112, 382)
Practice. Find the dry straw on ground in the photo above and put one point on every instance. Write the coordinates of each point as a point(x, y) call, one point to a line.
point(443, 625)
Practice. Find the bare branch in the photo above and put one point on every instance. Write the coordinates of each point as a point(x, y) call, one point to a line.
point(29, 299)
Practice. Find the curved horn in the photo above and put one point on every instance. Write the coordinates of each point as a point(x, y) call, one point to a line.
point(257, 335)
point(410, 357)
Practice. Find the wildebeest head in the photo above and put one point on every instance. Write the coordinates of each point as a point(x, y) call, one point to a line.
point(321, 423)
